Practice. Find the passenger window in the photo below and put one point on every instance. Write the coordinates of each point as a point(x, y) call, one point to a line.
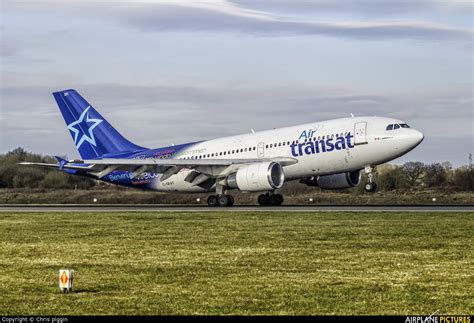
point(288, 143)
point(389, 127)
point(396, 126)
point(279, 144)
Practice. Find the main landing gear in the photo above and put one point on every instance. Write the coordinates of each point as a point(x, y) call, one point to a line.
point(220, 200)
point(267, 199)
point(270, 199)
point(370, 186)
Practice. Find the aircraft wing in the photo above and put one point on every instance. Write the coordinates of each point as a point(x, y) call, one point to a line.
point(284, 161)
point(168, 167)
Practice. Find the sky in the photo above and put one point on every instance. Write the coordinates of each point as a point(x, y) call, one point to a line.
point(176, 71)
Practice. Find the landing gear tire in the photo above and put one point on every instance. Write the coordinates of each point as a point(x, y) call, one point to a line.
point(279, 199)
point(231, 200)
point(273, 200)
point(223, 200)
point(270, 200)
point(370, 187)
point(212, 200)
point(220, 200)
point(263, 199)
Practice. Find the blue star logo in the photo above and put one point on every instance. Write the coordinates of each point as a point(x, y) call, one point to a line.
point(83, 125)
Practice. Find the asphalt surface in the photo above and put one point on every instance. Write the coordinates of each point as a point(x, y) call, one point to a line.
point(236, 208)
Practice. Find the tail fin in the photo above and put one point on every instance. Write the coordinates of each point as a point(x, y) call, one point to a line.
point(92, 134)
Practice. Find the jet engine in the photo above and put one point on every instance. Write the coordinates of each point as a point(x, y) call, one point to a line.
point(336, 181)
point(257, 177)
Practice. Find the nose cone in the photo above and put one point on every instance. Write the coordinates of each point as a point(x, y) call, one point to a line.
point(415, 138)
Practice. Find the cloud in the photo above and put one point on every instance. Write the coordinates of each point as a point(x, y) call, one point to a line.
point(225, 16)
point(364, 8)
point(8, 48)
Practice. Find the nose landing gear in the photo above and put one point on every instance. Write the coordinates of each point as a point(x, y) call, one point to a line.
point(370, 186)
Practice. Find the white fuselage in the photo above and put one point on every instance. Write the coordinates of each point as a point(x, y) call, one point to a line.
point(363, 141)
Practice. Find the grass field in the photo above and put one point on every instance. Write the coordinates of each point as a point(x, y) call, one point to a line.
point(238, 263)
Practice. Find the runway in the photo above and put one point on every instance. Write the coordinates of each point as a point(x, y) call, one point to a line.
point(237, 208)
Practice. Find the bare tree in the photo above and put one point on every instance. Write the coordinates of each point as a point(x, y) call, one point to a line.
point(413, 171)
point(436, 174)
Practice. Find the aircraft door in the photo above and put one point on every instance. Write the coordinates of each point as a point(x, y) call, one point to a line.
point(261, 150)
point(360, 133)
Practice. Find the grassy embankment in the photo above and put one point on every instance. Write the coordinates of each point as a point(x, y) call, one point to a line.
point(238, 263)
point(133, 196)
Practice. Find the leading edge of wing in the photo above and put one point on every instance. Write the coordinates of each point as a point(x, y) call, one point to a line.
point(284, 161)
point(66, 166)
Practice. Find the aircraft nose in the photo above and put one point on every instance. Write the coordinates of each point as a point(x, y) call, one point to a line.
point(416, 137)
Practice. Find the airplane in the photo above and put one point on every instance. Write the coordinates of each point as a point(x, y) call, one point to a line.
point(330, 154)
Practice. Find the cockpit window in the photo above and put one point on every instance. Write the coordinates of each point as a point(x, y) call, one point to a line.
point(389, 127)
point(404, 125)
point(396, 126)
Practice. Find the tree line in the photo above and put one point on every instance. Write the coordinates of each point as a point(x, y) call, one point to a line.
point(410, 175)
point(13, 175)
point(419, 175)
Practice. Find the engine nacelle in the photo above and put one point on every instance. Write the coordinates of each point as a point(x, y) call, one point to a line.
point(342, 180)
point(257, 177)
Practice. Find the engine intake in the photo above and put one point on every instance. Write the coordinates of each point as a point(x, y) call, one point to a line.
point(257, 177)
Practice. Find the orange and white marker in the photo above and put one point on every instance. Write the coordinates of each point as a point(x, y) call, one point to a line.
point(66, 279)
